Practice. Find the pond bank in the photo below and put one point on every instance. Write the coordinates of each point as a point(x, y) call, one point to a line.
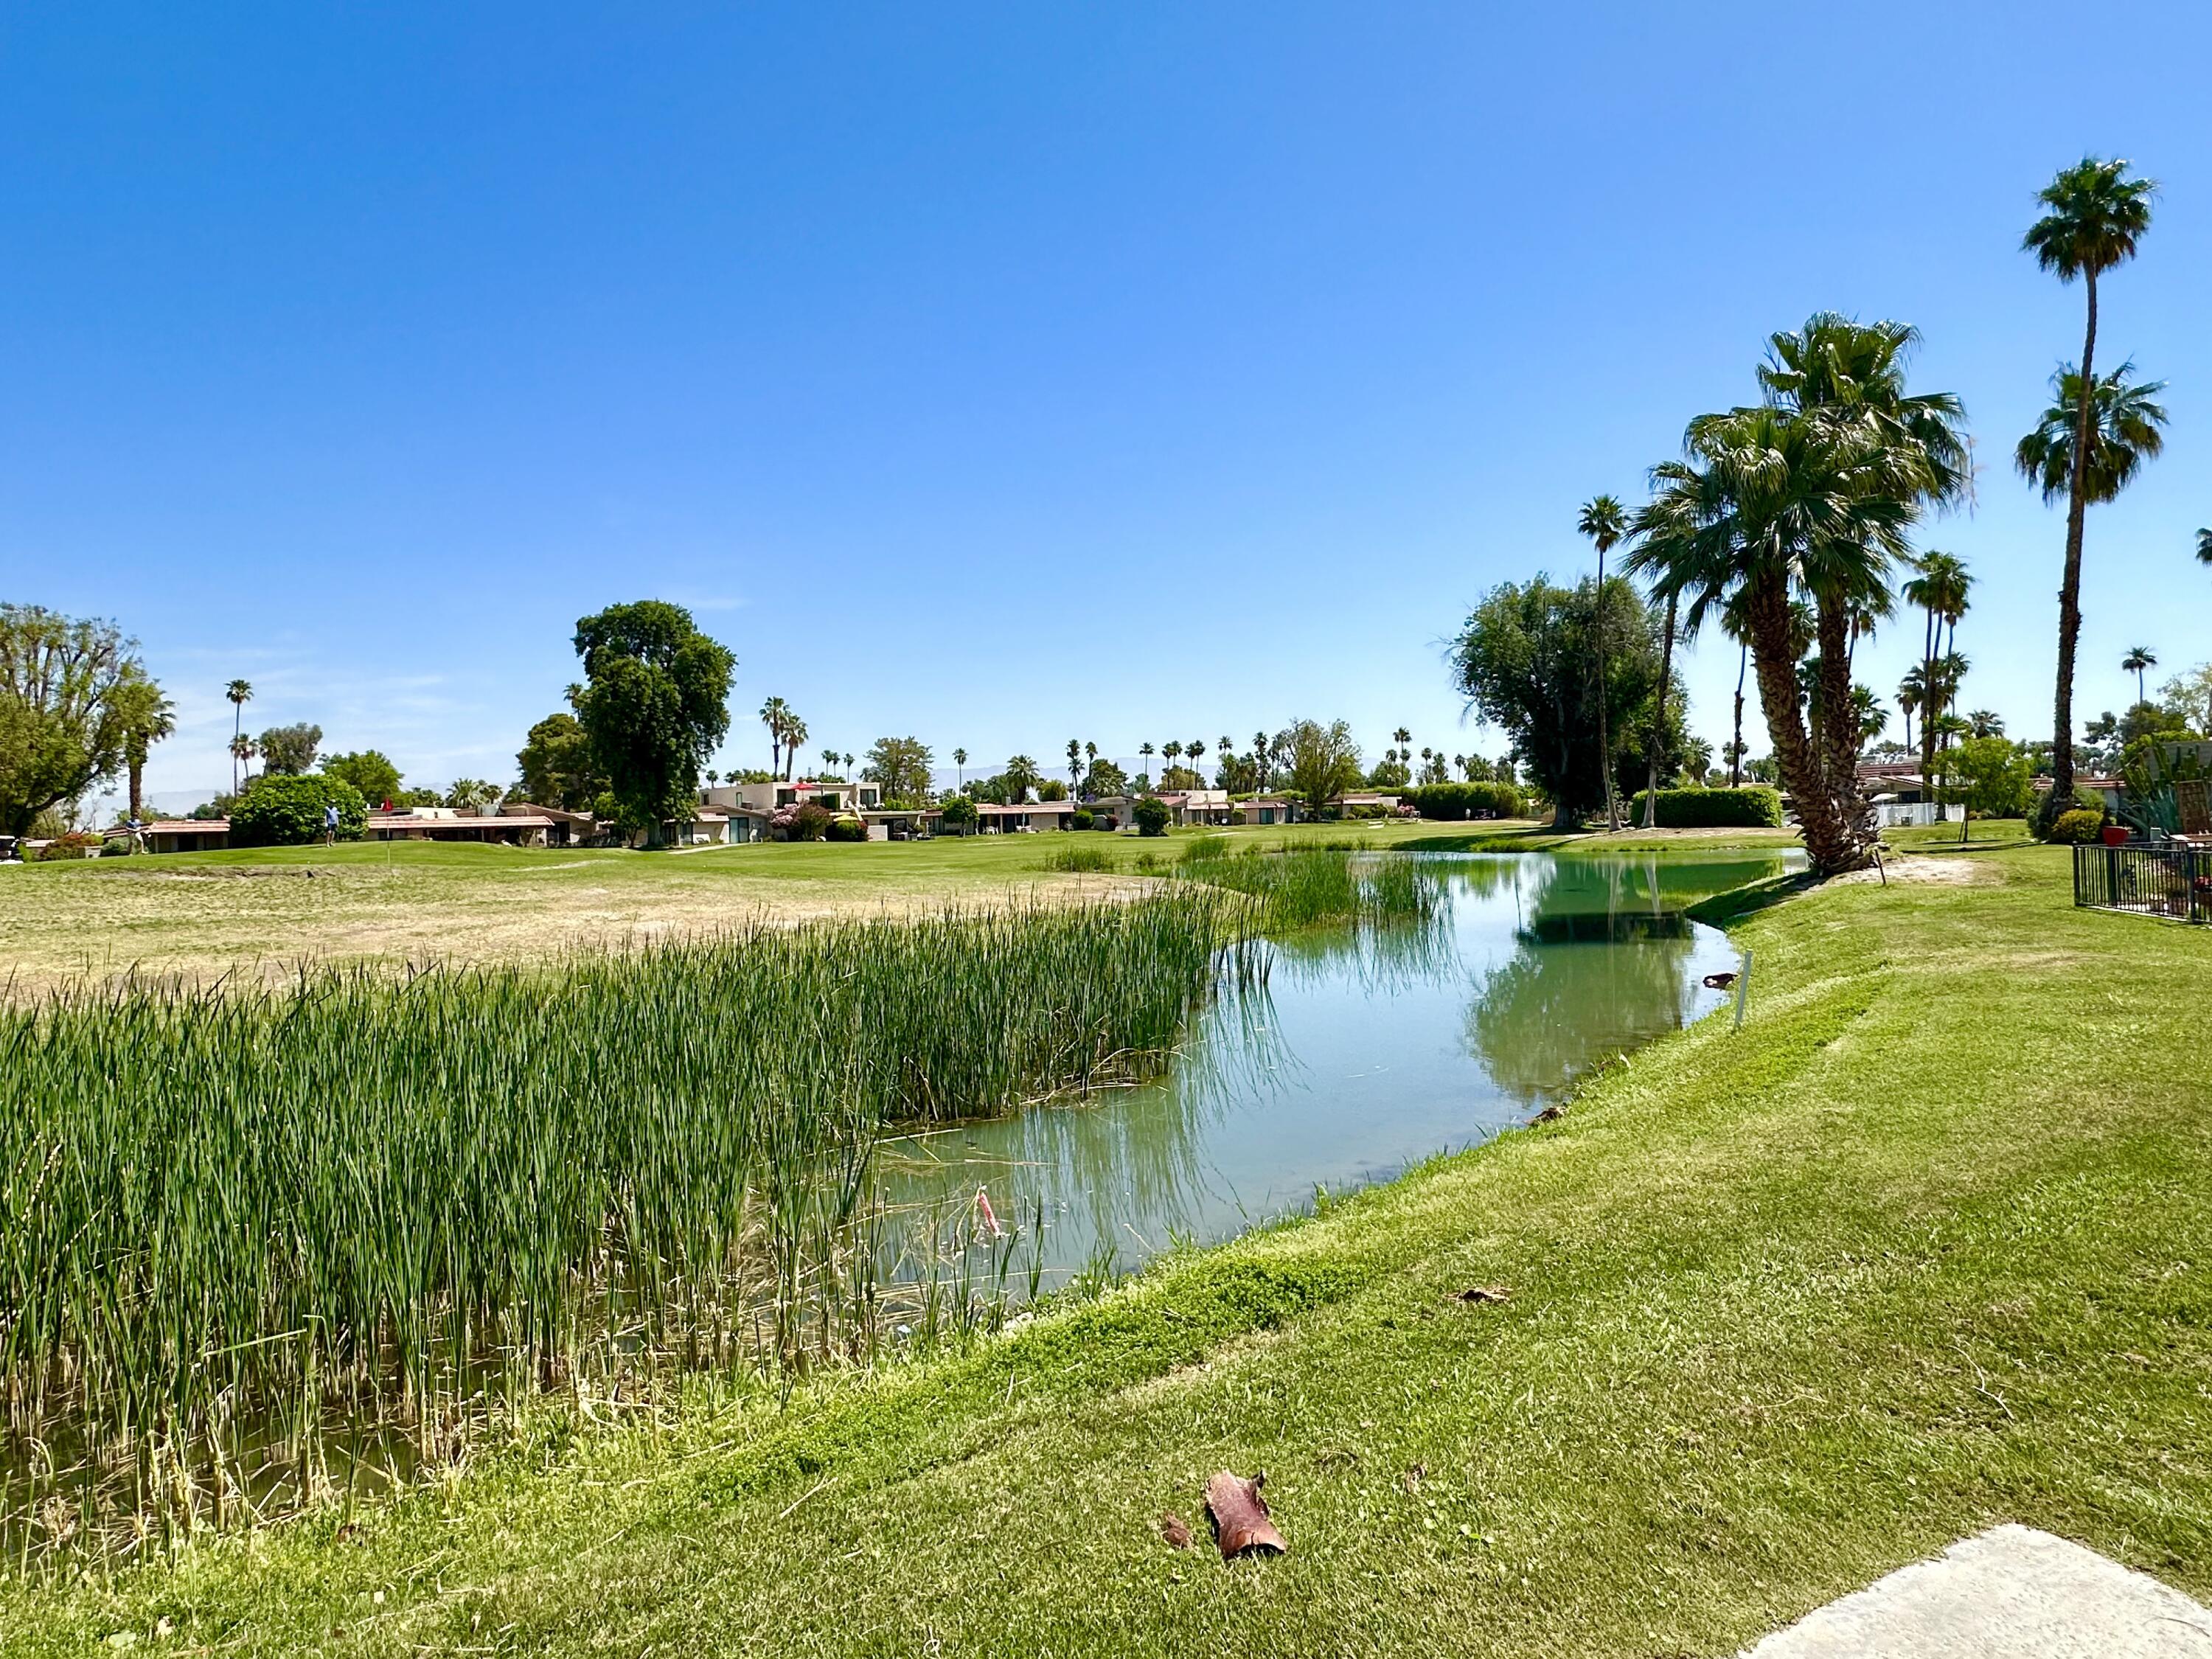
point(1911, 1256)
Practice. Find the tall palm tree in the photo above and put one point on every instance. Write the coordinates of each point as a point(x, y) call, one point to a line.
point(1938, 587)
point(848, 757)
point(1260, 760)
point(1908, 700)
point(2089, 443)
point(1790, 501)
point(1170, 752)
point(773, 715)
point(2205, 547)
point(241, 692)
point(148, 716)
point(1849, 380)
point(1985, 723)
point(794, 734)
point(959, 770)
point(1196, 749)
point(1605, 522)
point(2140, 660)
point(242, 752)
point(1145, 750)
point(1673, 550)
point(2096, 213)
point(830, 757)
point(1074, 763)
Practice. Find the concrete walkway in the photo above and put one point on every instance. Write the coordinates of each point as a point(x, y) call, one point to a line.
point(2012, 1592)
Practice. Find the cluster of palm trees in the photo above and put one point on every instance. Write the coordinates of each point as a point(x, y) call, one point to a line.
point(1787, 519)
point(786, 731)
point(241, 692)
point(1940, 588)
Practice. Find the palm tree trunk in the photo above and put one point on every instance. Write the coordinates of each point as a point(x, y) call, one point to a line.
point(1828, 843)
point(1931, 706)
point(1604, 738)
point(1735, 748)
point(1659, 723)
point(2069, 584)
point(1839, 723)
point(138, 778)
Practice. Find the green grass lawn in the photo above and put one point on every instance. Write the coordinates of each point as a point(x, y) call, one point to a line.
point(1923, 1248)
point(203, 914)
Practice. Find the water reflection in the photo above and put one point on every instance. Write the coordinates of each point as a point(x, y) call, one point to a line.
point(1367, 1051)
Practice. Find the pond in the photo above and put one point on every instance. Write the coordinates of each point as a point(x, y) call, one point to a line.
point(1365, 1053)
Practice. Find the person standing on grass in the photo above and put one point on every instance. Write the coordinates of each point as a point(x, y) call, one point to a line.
point(330, 823)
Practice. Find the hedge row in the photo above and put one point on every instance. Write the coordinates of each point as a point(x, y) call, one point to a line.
point(1755, 806)
point(1465, 800)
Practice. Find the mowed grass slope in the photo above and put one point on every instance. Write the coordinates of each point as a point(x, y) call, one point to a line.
point(206, 914)
point(1923, 1248)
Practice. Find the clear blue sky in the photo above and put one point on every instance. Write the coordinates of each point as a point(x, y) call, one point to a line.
point(1001, 374)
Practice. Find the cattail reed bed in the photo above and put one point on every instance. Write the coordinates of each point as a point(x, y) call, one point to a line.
point(1300, 886)
point(240, 1229)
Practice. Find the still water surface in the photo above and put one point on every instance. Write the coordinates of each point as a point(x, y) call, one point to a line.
point(1366, 1054)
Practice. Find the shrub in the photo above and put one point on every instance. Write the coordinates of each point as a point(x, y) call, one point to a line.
point(1755, 806)
point(1152, 816)
point(74, 844)
point(286, 810)
point(1451, 802)
point(810, 821)
point(1082, 818)
point(2050, 807)
point(848, 828)
point(118, 847)
point(2078, 824)
point(959, 814)
point(1367, 810)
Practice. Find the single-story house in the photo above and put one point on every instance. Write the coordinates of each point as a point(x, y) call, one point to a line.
point(1209, 806)
point(2110, 788)
point(1268, 810)
point(563, 828)
point(527, 828)
point(1347, 803)
point(185, 835)
point(993, 819)
point(900, 824)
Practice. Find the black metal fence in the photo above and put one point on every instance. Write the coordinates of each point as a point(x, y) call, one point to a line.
point(2151, 878)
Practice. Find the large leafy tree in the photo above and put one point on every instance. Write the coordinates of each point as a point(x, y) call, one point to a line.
point(556, 766)
point(901, 766)
point(71, 698)
point(372, 774)
point(655, 704)
point(2095, 213)
point(289, 750)
point(1322, 761)
point(1527, 663)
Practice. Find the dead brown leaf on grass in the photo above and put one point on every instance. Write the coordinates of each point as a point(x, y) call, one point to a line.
point(1241, 1525)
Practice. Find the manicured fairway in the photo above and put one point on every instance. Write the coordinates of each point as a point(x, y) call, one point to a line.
point(1923, 1248)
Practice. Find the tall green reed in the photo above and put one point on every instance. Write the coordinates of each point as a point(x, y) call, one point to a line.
point(230, 1218)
